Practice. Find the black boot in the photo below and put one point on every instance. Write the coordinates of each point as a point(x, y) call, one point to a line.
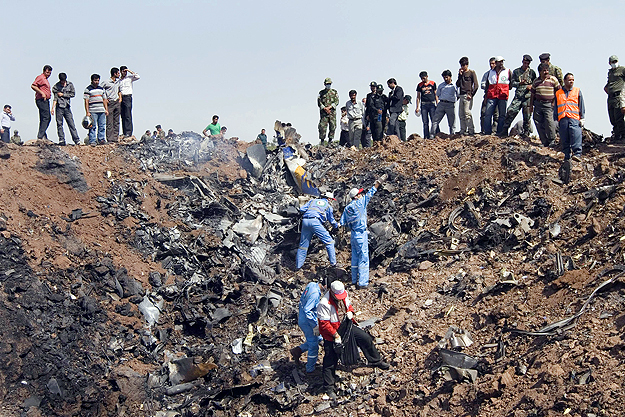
point(296, 353)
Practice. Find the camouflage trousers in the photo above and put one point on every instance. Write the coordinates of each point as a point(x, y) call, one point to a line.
point(617, 120)
point(325, 121)
point(515, 107)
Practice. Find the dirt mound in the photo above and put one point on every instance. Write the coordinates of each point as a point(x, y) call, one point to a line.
point(155, 279)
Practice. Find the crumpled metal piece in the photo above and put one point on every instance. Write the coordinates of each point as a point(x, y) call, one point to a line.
point(456, 337)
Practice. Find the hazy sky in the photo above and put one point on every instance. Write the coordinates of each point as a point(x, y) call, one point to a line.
point(254, 62)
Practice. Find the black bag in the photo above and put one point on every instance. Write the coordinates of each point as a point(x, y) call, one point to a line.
point(348, 349)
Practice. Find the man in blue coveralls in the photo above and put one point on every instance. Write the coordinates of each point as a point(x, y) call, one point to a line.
point(355, 218)
point(316, 213)
point(307, 321)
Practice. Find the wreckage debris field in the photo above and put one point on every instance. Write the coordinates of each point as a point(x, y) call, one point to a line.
point(157, 279)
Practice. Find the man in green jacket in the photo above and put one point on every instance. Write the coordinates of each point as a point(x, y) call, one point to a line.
point(614, 88)
point(327, 102)
point(522, 79)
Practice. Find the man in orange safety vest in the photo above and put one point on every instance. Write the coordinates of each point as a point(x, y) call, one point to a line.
point(570, 113)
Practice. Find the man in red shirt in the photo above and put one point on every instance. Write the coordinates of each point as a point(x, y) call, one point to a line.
point(41, 87)
point(333, 307)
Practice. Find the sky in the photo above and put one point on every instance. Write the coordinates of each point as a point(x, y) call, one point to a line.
point(256, 62)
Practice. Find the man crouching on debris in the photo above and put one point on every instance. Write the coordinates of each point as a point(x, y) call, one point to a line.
point(333, 307)
point(307, 321)
point(316, 213)
point(355, 218)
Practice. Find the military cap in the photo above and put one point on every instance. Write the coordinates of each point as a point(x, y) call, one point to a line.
point(527, 58)
point(327, 81)
point(408, 98)
point(613, 58)
point(373, 84)
point(544, 56)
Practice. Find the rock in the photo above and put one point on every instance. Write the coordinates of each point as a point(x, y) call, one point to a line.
point(33, 401)
point(506, 379)
point(362, 371)
point(131, 383)
point(53, 388)
point(155, 279)
point(425, 265)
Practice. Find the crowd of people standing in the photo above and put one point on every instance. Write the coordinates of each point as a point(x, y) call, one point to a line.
point(104, 102)
point(549, 97)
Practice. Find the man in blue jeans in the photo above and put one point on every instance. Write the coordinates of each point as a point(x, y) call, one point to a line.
point(497, 96)
point(570, 112)
point(316, 213)
point(96, 107)
point(426, 97)
point(355, 218)
point(447, 95)
point(307, 321)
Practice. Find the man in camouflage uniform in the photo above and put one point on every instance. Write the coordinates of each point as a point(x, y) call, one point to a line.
point(553, 70)
point(522, 79)
point(615, 89)
point(327, 101)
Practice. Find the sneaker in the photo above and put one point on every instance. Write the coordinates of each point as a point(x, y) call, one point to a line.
point(92, 143)
point(62, 144)
point(576, 158)
point(331, 394)
point(296, 353)
point(382, 365)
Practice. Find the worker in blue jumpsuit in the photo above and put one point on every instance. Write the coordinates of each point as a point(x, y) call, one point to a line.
point(307, 321)
point(355, 218)
point(316, 213)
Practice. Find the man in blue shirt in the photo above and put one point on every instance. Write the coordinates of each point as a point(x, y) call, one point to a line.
point(316, 213)
point(447, 96)
point(355, 218)
point(307, 321)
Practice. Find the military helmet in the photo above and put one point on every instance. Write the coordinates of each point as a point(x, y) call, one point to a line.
point(327, 81)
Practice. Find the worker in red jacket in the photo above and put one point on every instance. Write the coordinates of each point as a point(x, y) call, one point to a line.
point(332, 308)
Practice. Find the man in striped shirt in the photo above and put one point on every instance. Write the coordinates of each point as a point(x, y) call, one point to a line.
point(541, 104)
point(96, 107)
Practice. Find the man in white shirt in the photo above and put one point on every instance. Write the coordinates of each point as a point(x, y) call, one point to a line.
point(5, 123)
point(125, 90)
point(355, 112)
